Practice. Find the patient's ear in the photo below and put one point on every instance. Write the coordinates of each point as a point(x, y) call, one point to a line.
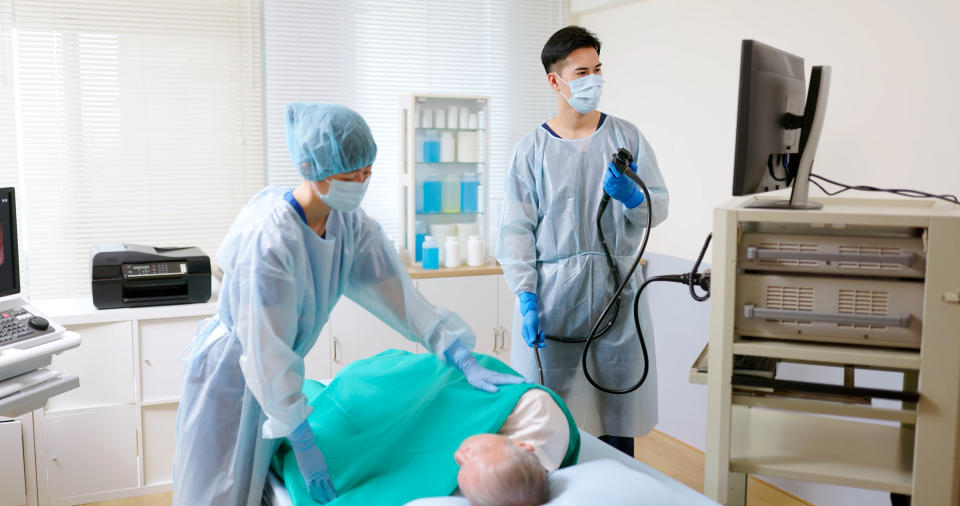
point(524, 445)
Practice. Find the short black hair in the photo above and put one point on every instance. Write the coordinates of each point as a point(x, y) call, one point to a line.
point(565, 41)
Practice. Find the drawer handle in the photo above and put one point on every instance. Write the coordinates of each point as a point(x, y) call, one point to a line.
point(755, 253)
point(759, 313)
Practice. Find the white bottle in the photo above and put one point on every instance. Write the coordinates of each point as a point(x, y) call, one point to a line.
point(448, 147)
point(452, 116)
point(426, 118)
point(451, 250)
point(440, 119)
point(474, 251)
point(464, 121)
point(472, 122)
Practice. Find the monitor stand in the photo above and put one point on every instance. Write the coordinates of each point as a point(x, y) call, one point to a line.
point(809, 138)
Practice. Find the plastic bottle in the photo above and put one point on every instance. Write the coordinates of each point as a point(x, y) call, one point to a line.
point(432, 193)
point(431, 253)
point(451, 252)
point(426, 118)
point(469, 190)
point(440, 232)
point(452, 116)
point(451, 193)
point(448, 147)
point(431, 146)
point(440, 119)
point(474, 251)
point(464, 121)
point(421, 231)
point(464, 231)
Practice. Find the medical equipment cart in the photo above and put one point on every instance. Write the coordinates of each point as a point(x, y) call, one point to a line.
point(859, 284)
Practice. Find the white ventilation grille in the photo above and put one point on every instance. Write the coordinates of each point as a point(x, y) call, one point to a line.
point(863, 302)
point(792, 248)
point(869, 250)
point(789, 298)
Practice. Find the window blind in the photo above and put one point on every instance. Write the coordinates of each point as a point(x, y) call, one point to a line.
point(365, 54)
point(138, 121)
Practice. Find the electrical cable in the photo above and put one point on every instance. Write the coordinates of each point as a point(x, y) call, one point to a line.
point(903, 192)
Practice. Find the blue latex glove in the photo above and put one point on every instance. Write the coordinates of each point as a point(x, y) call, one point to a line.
point(477, 375)
point(621, 187)
point(532, 335)
point(312, 465)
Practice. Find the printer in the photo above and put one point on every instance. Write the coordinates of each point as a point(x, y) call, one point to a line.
point(130, 275)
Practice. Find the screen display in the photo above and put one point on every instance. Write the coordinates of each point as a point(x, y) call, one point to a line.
point(9, 265)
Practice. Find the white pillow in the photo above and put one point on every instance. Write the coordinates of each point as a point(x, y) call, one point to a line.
point(610, 483)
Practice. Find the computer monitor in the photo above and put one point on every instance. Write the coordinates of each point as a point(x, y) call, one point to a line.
point(9, 262)
point(778, 129)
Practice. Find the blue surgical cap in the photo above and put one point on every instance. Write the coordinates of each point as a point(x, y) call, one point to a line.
point(327, 139)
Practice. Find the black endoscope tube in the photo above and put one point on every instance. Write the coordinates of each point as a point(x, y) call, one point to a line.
point(616, 297)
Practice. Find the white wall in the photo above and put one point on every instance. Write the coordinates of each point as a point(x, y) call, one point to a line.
point(672, 67)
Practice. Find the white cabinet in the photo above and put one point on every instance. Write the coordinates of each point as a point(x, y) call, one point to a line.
point(91, 452)
point(505, 302)
point(159, 438)
point(104, 363)
point(317, 362)
point(357, 334)
point(162, 343)
point(473, 298)
point(12, 488)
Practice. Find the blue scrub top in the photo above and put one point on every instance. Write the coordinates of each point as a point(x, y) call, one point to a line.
point(603, 116)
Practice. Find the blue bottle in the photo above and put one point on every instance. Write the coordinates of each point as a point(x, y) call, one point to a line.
point(432, 193)
point(421, 232)
point(431, 253)
point(469, 191)
point(431, 147)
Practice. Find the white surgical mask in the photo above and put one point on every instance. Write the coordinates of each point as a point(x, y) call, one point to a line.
point(344, 195)
point(584, 92)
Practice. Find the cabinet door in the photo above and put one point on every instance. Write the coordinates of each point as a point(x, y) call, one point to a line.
point(12, 487)
point(317, 362)
point(505, 303)
point(161, 344)
point(358, 334)
point(159, 439)
point(91, 452)
point(473, 298)
point(104, 363)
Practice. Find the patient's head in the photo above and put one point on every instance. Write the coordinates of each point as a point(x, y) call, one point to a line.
point(497, 471)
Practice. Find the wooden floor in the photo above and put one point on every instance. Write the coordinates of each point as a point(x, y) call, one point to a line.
point(674, 458)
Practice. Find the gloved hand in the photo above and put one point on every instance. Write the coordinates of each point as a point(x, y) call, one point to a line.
point(621, 187)
point(312, 465)
point(532, 335)
point(478, 376)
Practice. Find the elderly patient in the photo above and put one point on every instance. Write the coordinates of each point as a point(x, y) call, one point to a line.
point(400, 426)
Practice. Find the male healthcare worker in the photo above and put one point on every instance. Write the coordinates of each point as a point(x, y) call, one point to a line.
point(552, 257)
point(288, 257)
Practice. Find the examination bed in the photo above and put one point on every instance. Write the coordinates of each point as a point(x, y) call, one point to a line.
point(648, 487)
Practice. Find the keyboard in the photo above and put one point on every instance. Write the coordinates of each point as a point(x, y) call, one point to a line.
point(18, 325)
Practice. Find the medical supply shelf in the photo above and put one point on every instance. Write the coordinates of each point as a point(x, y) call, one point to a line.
point(912, 449)
point(443, 168)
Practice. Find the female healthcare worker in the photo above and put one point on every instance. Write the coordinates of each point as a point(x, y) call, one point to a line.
point(552, 257)
point(286, 260)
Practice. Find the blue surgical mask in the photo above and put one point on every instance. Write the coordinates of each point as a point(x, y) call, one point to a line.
point(584, 92)
point(344, 195)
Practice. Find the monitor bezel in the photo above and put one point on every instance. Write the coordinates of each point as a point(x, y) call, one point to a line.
point(13, 246)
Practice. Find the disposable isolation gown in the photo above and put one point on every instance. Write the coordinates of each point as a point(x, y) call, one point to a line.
point(244, 375)
point(548, 245)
